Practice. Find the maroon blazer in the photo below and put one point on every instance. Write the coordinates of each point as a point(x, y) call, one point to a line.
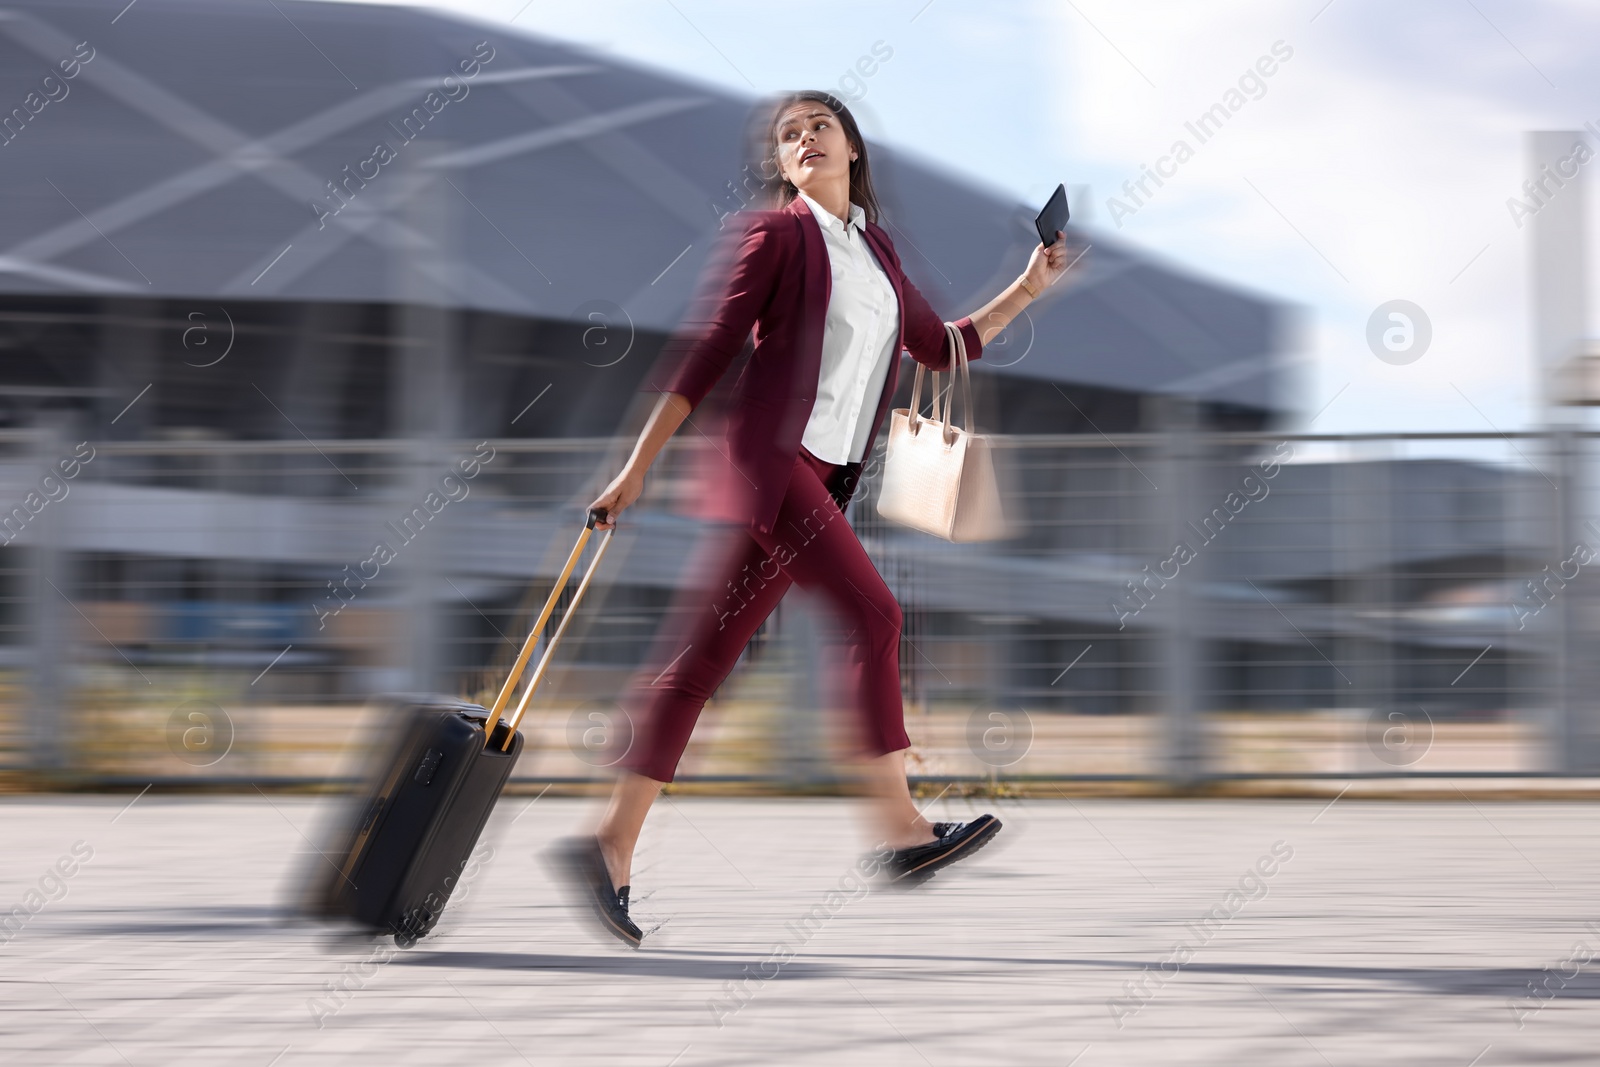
point(772, 272)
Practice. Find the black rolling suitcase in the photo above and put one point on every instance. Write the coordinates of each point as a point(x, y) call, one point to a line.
point(405, 843)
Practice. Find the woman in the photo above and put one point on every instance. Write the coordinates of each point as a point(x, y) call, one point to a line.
point(822, 286)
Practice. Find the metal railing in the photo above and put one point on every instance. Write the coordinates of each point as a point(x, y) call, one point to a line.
point(1180, 606)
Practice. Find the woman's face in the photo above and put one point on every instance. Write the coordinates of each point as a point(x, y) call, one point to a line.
point(812, 145)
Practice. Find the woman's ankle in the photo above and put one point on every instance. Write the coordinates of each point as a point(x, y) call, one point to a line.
point(909, 835)
point(618, 858)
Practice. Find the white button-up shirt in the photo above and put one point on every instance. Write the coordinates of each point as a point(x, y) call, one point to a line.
point(857, 338)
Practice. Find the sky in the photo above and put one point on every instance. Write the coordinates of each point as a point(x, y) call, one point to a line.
point(1375, 163)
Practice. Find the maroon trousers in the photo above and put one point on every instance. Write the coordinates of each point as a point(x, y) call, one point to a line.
point(811, 544)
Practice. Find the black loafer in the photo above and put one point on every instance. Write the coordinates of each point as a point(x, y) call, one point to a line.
point(956, 840)
point(584, 865)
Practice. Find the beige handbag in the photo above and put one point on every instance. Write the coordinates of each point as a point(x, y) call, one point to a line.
point(938, 477)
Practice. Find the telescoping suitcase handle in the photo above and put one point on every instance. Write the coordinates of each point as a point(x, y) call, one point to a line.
point(596, 515)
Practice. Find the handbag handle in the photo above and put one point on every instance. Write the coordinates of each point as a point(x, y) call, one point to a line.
point(944, 415)
point(915, 411)
point(959, 344)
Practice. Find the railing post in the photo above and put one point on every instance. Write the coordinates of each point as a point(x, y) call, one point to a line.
point(799, 759)
point(1183, 477)
point(1369, 574)
point(52, 642)
point(1576, 734)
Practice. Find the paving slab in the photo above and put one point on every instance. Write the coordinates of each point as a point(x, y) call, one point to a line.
point(1092, 933)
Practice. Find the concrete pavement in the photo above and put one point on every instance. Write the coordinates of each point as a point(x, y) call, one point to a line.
point(1093, 933)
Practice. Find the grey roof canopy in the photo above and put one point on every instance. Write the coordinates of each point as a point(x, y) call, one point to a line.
point(186, 154)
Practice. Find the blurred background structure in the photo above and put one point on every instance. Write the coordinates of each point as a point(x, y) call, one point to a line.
point(348, 347)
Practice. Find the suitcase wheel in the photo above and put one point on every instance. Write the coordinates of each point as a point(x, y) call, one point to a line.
point(414, 926)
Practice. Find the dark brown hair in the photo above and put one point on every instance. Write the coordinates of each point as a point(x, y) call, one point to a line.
point(761, 140)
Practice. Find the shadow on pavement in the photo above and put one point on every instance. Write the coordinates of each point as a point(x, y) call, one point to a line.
point(638, 963)
point(1511, 982)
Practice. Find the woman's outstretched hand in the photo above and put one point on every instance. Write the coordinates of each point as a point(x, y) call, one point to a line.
point(1047, 265)
point(623, 491)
